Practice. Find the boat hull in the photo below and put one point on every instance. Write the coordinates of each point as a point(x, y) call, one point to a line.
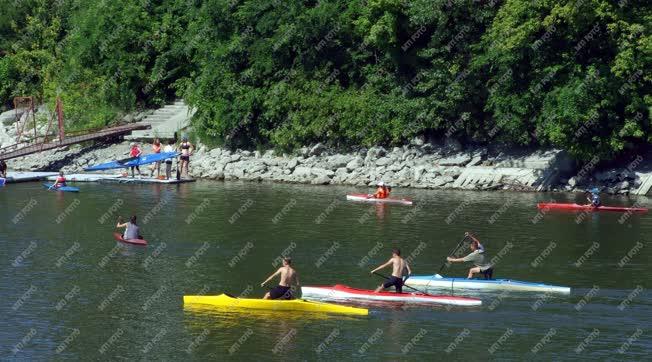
point(119, 237)
point(62, 188)
point(342, 292)
point(367, 198)
point(434, 282)
point(133, 161)
point(237, 304)
point(562, 206)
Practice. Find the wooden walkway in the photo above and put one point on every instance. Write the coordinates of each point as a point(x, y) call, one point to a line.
point(20, 150)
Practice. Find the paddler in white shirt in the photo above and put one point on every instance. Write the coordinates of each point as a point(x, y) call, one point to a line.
point(477, 257)
point(399, 266)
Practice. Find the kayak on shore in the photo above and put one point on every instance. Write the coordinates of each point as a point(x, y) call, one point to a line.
point(238, 304)
point(370, 198)
point(438, 282)
point(343, 292)
point(119, 237)
point(61, 188)
point(133, 161)
point(565, 206)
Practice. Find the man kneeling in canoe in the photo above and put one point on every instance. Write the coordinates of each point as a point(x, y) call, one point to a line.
point(288, 277)
point(477, 257)
point(399, 266)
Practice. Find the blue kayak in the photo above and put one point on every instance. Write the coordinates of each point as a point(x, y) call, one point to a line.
point(133, 161)
point(62, 188)
point(2, 181)
point(438, 282)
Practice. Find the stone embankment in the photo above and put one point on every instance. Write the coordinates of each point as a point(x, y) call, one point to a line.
point(438, 164)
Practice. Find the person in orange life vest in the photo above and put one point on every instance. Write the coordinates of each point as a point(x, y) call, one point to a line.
point(134, 153)
point(60, 181)
point(382, 191)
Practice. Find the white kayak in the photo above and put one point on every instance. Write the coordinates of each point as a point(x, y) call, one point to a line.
point(370, 198)
point(439, 282)
point(343, 292)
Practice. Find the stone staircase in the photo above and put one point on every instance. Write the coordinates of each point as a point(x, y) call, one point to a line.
point(165, 122)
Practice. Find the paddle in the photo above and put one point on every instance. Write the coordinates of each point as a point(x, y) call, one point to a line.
point(178, 171)
point(451, 253)
point(407, 286)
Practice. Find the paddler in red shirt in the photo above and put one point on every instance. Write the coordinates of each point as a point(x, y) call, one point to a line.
point(135, 152)
point(60, 181)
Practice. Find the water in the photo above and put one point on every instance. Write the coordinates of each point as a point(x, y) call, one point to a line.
point(69, 291)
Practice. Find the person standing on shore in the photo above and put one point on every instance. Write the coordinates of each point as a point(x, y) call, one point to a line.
point(168, 163)
point(135, 152)
point(156, 148)
point(186, 149)
point(3, 169)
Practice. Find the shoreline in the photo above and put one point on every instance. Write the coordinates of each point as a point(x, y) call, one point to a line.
point(419, 165)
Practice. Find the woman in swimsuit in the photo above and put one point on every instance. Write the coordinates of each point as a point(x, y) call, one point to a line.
point(186, 149)
point(156, 148)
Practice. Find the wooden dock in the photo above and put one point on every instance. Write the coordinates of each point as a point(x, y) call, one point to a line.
point(13, 177)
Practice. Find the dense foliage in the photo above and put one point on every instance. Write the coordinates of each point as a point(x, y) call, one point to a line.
point(569, 74)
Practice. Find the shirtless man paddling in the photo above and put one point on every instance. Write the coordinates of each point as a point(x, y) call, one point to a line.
point(288, 277)
point(399, 265)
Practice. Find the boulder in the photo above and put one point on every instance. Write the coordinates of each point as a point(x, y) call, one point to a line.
point(317, 171)
point(374, 153)
point(418, 141)
point(321, 180)
point(355, 164)
point(216, 152)
point(317, 150)
point(384, 161)
point(459, 159)
point(476, 160)
point(572, 182)
point(418, 172)
point(301, 171)
point(338, 161)
point(292, 164)
point(624, 185)
point(453, 144)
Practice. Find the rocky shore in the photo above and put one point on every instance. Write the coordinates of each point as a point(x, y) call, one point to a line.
point(421, 164)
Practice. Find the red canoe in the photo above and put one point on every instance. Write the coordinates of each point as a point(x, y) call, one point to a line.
point(119, 237)
point(561, 206)
point(369, 198)
point(343, 292)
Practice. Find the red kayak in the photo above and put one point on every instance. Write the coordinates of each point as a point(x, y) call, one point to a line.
point(561, 206)
point(119, 237)
point(343, 292)
point(370, 198)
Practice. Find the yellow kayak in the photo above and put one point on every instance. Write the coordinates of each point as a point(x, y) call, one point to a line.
point(224, 300)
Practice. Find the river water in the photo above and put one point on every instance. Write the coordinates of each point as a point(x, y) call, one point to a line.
point(70, 291)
